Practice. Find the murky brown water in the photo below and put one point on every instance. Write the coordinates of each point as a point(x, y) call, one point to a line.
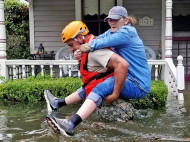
point(26, 123)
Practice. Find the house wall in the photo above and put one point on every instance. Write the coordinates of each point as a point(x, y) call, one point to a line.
point(151, 35)
point(50, 17)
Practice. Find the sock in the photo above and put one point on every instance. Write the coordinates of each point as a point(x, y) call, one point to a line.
point(56, 103)
point(75, 119)
point(61, 102)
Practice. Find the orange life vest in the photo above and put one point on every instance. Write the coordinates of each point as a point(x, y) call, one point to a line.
point(91, 79)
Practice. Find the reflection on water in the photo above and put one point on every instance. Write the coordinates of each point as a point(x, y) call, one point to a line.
point(26, 123)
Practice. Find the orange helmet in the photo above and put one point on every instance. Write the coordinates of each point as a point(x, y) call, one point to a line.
point(73, 29)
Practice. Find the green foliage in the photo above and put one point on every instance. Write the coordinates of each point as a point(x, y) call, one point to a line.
point(2, 79)
point(17, 29)
point(155, 99)
point(31, 89)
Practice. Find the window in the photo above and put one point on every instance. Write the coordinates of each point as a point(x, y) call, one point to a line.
point(94, 12)
point(181, 15)
point(181, 23)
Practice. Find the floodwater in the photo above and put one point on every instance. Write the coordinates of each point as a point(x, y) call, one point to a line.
point(26, 123)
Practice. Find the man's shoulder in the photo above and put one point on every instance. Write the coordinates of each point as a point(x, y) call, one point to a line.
point(102, 51)
point(99, 58)
point(101, 55)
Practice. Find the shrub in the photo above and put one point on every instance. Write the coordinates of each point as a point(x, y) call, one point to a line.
point(31, 89)
point(17, 29)
point(155, 99)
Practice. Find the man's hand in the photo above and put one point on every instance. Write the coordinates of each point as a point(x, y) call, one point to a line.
point(85, 48)
point(111, 98)
point(78, 55)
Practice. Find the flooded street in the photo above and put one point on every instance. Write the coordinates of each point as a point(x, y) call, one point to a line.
point(26, 123)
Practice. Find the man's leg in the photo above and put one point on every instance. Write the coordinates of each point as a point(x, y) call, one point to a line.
point(89, 106)
point(95, 99)
point(54, 103)
point(86, 109)
point(62, 124)
point(67, 126)
point(73, 98)
point(130, 91)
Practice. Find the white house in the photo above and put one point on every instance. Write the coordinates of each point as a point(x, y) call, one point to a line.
point(48, 18)
point(154, 25)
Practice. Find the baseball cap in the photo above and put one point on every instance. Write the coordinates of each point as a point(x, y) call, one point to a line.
point(116, 13)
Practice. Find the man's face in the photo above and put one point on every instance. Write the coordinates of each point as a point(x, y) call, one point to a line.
point(74, 45)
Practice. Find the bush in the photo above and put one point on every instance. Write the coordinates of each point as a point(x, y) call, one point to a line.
point(155, 99)
point(17, 29)
point(31, 89)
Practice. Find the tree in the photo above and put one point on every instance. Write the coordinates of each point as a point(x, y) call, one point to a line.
point(17, 29)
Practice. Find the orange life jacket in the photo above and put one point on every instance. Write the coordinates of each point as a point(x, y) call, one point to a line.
point(91, 79)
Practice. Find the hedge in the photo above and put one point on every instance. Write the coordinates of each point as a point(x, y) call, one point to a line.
point(31, 90)
point(155, 99)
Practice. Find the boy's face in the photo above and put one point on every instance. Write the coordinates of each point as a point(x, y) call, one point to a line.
point(116, 24)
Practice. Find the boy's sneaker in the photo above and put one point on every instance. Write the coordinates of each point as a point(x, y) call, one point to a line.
point(52, 102)
point(63, 125)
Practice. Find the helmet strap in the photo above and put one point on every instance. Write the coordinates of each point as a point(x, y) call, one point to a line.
point(80, 41)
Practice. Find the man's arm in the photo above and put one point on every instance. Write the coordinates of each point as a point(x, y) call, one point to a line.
point(120, 67)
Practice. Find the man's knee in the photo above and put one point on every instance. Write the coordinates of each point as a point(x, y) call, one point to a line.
point(81, 93)
point(96, 98)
